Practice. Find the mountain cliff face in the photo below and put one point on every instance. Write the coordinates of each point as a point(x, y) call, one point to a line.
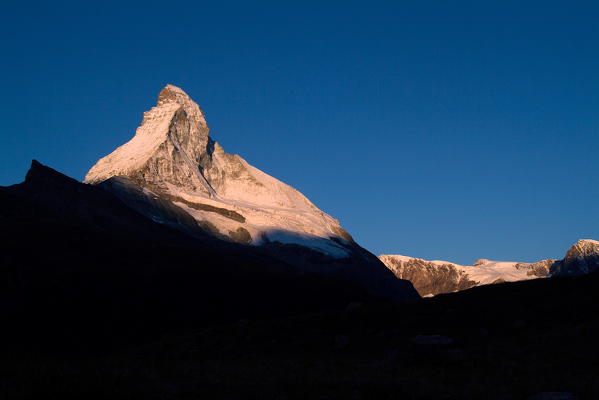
point(172, 156)
point(429, 277)
point(434, 277)
point(174, 173)
point(581, 258)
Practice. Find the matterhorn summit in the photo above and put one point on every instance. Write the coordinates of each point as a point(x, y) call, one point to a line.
point(173, 156)
point(173, 172)
point(166, 149)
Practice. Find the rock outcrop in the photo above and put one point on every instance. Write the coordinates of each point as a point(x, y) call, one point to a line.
point(428, 277)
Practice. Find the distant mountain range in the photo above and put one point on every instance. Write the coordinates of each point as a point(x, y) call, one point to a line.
point(435, 277)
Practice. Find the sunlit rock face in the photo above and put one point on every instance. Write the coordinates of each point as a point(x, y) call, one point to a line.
point(429, 278)
point(172, 155)
point(581, 258)
point(173, 172)
point(435, 277)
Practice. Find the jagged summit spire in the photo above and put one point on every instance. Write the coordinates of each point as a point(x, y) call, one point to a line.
point(583, 248)
point(173, 156)
point(172, 93)
point(172, 136)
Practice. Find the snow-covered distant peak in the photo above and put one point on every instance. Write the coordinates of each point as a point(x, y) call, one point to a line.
point(434, 277)
point(397, 257)
point(401, 258)
point(170, 89)
point(583, 248)
point(482, 262)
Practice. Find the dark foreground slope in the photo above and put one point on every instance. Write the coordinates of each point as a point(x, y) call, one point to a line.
point(93, 308)
point(80, 271)
point(509, 341)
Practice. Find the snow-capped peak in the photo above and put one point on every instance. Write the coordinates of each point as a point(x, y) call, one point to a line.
point(588, 242)
point(174, 94)
point(172, 155)
point(583, 248)
point(434, 277)
point(155, 130)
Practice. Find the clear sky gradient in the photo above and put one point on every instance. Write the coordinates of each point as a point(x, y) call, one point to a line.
point(441, 130)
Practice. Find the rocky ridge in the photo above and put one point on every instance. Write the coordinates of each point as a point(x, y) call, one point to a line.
point(435, 277)
point(581, 258)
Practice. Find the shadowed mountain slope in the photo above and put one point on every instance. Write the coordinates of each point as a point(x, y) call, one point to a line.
point(523, 340)
point(80, 267)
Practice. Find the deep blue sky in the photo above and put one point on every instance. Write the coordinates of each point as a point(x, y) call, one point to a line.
point(442, 130)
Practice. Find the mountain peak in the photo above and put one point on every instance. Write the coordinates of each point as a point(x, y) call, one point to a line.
point(38, 172)
point(35, 164)
point(173, 168)
point(581, 258)
point(591, 242)
point(171, 93)
point(173, 156)
point(584, 248)
point(175, 128)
